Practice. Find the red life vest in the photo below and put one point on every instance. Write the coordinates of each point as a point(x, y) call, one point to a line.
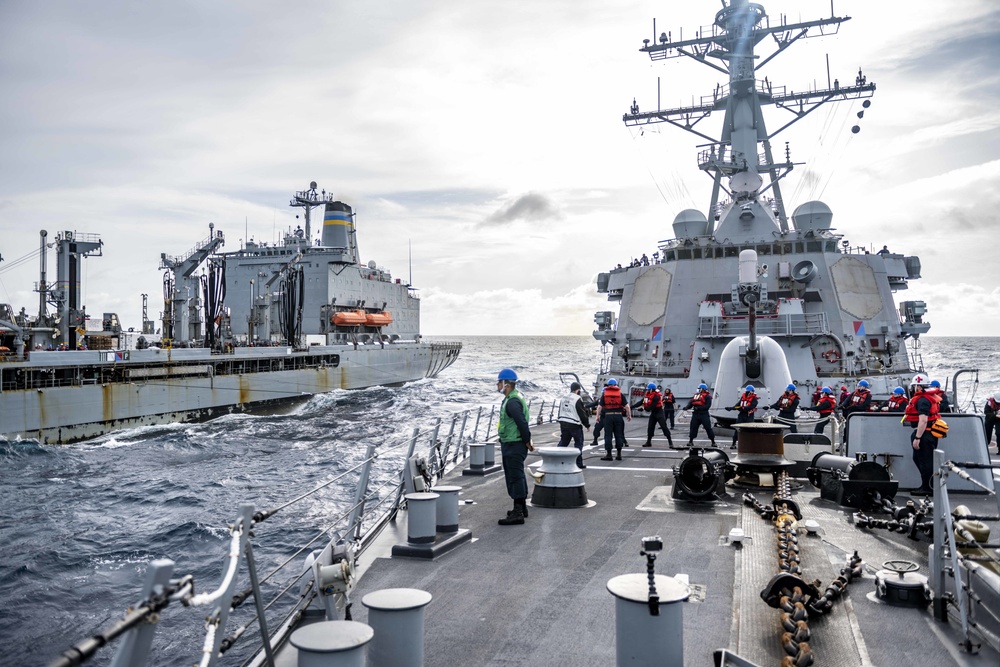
point(826, 405)
point(896, 401)
point(612, 401)
point(668, 398)
point(994, 405)
point(911, 417)
point(746, 400)
point(652, 400)
point(859, 396)
point(787, 400)
point(699, 399)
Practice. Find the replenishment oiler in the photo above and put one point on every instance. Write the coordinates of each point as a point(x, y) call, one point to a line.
point(256, 329)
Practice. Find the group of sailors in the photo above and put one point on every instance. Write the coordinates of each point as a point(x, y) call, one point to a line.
point(641, 261)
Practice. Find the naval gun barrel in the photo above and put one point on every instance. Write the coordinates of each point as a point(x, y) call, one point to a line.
point(749, 295)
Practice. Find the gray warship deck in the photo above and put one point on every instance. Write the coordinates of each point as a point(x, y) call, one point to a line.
point(536, 594)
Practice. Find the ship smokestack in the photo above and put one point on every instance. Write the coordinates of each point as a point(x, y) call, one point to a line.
point(338, 230)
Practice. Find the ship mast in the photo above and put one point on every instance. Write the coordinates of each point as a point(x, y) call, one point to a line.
point(728, 46)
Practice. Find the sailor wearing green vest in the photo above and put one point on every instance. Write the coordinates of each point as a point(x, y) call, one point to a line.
point(515, 443)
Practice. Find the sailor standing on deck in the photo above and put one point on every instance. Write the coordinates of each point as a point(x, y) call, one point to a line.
point(825, 407)
point(992, 423)
point(786, 405)
point(859, 401)
point(700, 404)
point(921, 412)
point(653, 403)
point(747, 405)
point(611, 406)
point(573, 418)
point(669, 401)
point(945, 405)
point(515, 443)
point(897, 402)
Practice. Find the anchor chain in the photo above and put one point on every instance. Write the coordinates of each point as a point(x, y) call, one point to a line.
point(909, 518)
point(796, 599)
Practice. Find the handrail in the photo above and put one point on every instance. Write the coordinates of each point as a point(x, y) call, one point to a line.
point(355, 528)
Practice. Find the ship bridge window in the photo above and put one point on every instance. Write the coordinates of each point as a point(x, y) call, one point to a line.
point(732, 251)
point(764, 249)
point(781, 249)
point(683, 253)
point(696, 253)
point(669, 256)
point(800, 247)
point(831, 246)
point(814, 246)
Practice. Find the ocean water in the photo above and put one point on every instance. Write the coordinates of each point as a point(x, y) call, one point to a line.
point(80, 522)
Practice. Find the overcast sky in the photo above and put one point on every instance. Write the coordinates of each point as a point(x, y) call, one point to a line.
point(487, 133)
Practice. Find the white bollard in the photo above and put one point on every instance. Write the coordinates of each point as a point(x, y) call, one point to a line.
point(397, 617)
point(641, 639)
point(332, 644)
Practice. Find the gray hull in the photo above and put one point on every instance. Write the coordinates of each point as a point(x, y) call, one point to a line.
point(87, 409)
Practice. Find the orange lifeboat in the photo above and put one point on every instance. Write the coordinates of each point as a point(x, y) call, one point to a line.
point(378, 319)
point(349, 318)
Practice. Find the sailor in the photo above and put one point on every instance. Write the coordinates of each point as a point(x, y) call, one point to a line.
point(859, 401)
point(598, 420)
point(699, 405)
point(573, 418)
point(652, 402)
point(825, 407)
point(786, 405)
point(992, 422)
point(897, 402)
point(844, 394)
point(746, 406)
point(945, 405)
point(921, 413)
point(884, 250)
point(515, 443)
point(669, 401)
point(611, 406)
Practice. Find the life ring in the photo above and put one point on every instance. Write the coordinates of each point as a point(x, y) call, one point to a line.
point(831, 356)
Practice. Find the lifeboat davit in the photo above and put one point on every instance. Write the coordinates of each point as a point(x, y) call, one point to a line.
point(378, 319)
point(349, 318)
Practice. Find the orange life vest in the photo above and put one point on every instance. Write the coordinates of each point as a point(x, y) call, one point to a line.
point(612, 399)
point(826, 405)
point(746, 400)
point(653, 400)
point(912, 417)
point(896, 401)
point(787, 400)
point(699, 399)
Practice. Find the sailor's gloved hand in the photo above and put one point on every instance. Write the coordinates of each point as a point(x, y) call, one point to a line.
point(730, 409)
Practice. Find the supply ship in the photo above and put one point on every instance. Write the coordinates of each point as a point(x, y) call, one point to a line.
point(251, 330)
point(827, 304)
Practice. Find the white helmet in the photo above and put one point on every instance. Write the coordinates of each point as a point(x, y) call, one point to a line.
point(996, 396)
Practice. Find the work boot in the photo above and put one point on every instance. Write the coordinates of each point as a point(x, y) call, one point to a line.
point(513, 518)
point(648, 444)
point(606, 457)
point(690, 443)
point(522, 505)
point(619, 457)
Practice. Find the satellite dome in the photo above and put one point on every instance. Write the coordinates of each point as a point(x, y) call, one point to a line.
point(690, 222)
point(812, 216)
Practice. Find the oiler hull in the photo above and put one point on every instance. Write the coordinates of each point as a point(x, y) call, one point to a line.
point(194, 385)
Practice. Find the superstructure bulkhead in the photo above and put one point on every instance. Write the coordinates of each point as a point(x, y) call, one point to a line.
point(241, 331)
point(829, 305)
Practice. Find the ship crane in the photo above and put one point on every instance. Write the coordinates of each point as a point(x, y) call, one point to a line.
point(182, 318)
point(731, 40)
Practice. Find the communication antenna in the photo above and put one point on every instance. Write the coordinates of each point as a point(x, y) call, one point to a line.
point(409, 243)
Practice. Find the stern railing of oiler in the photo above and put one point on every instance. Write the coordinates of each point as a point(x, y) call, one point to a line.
point(277, 600)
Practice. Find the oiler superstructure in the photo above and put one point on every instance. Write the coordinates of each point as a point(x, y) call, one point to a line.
point(241, 331)
point(828, 305)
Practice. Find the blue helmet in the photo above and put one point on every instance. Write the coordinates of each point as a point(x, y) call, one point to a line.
point(899, 391)
point(790, 387)
point(749, 387)
point(703, 386)
point(507, 374)
point(935, 383)
point(827, 390)
point(651, 386)
point(863, 383)
point(612, 382)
